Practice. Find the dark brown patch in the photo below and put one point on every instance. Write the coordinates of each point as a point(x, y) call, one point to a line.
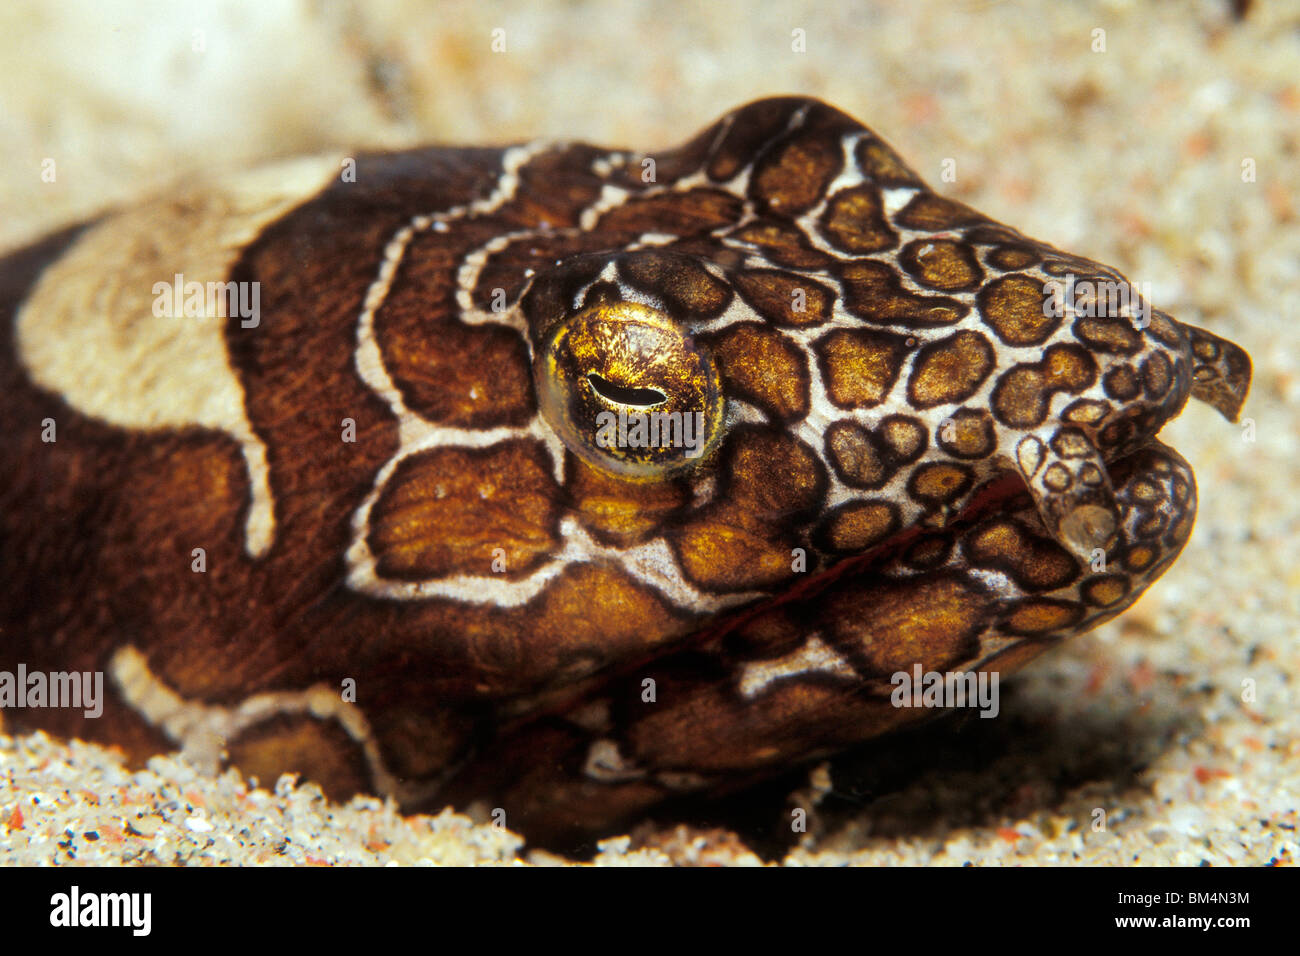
point(674, 213)
point(1121, 383)
point(874, 292)
point(1034, 562)
point(1022, 395)
point(854, 221)
point(773, 295)
point(1157, 376)
point(428, 365)
point(1009, 258)
point(685, 286)
point(749, 130)
point(291, 743)
point(783, 244)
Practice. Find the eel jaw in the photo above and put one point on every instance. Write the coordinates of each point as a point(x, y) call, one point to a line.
point(1069, 477)
point(1070, 482)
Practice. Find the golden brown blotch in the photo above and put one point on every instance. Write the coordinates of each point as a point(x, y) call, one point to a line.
point(771, 483)
point(930, 213)
point(783, 244)
point(1108, 335)
point(1010, 258)
point(1139, 557)
point(760, 365)
point(1015, 307)
point(1038, 616)
point(872, 291)
point(591, 615)
point(854, 221)
point(858, 525)
point(720, 555)
point(860, 366)
point(620, 511)
point(1165, 330)
point(882, 165)
point(1034, 562)
point(950, 370)
point(929, 551)
point(792, 178)
point(1105, 590)
point(446, 510)
point(942, 264)
point(1057, 478)
point(1021, 397)
point(939, 483)
point(932, 620)
point(774, 295)
point(859, 457)
point(967, 433)
point(903, 435)
point(775, 476)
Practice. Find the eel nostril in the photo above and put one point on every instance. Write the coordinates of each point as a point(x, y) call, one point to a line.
point(624, 395)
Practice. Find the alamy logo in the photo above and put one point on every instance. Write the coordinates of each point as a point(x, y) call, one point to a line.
point(197, 300)
point(82, 690)
point(1093, 298)
point(76, 908)
point(651, 430)
point(950, 689)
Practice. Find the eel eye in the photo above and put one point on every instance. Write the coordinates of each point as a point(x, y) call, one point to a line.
point(628, 391)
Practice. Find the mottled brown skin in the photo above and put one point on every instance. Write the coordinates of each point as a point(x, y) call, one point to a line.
point(919, 465)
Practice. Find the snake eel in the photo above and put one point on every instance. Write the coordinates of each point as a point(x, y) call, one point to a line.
point(565, 479)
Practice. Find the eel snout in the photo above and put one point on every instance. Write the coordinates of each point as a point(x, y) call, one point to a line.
point(1220, 371)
